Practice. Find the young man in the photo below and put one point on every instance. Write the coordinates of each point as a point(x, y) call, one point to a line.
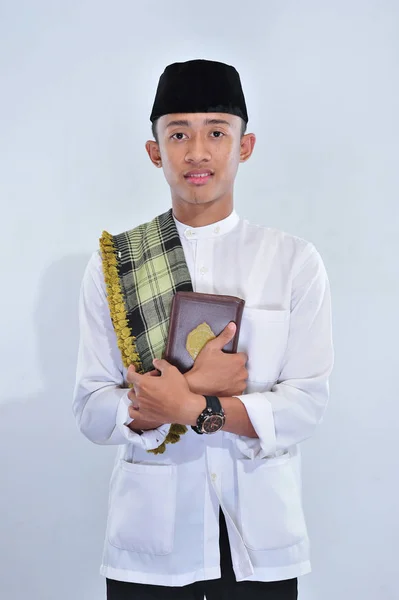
point(218, 514)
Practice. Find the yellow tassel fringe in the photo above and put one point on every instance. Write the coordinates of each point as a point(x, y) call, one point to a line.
point(125, 338)
point(117, 309)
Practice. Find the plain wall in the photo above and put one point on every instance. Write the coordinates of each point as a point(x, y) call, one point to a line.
point(77, 84)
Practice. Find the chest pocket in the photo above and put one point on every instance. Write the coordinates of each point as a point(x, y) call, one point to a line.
point(263, 336)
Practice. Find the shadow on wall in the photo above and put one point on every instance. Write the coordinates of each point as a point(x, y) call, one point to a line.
point(53, 481)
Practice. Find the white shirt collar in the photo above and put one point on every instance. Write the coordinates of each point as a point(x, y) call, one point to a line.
point(208, 231)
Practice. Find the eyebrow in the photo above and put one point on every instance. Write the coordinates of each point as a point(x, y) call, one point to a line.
point(184, 123)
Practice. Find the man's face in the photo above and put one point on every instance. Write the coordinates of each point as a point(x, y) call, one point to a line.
point(200, 154)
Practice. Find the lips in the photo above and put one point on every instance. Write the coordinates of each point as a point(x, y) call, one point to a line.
point(199, 177)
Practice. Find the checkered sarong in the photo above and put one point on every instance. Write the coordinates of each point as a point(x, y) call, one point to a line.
point(143, 269)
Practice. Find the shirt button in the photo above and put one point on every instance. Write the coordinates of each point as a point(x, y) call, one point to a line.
point(188, 233)
point(203, 270)
point(217, 229)
point(214, 476)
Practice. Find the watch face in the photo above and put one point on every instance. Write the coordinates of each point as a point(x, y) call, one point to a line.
point(213, 424)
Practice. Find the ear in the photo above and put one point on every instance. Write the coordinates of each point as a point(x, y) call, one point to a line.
point(154, 153)
point(247, 145)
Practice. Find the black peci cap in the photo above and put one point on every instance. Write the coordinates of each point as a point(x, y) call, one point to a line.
point(199, 86)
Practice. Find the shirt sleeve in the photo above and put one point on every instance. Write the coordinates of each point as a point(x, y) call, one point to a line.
point(289, 413)
point(100, 403)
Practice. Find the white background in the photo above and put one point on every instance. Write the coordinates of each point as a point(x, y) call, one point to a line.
point(77, 83)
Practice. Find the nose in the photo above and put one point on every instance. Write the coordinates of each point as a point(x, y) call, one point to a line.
point(197, 151)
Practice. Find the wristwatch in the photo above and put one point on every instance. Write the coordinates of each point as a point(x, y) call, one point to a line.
point(212, 417)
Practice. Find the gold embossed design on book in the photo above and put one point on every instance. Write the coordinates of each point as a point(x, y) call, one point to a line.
point(198, 338)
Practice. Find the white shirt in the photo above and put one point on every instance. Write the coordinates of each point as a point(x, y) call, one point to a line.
point(163, 511)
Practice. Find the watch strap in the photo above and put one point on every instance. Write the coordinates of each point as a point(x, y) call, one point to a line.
point(212, 403)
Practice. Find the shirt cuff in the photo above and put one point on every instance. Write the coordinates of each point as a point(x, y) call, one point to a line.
point(260, 414)
point(148, 440)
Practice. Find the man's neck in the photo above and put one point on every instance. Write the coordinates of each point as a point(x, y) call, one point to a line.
point(200, 215)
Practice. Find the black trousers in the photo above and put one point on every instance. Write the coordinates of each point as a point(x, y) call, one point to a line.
point(225, 588)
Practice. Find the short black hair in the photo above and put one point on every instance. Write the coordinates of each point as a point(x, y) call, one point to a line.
point(155, 132)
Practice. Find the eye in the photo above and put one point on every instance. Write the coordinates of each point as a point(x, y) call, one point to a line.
point(174, 136)
point(218, 133)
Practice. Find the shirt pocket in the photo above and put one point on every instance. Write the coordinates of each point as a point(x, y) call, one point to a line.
point(270, 505)
point(263, 337)
point(143, 508)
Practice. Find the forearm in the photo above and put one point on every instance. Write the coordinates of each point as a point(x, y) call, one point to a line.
point(286, 415)
point(237, 419)
point(96, 413)
point(193, 384)
point(138, 425)
point(103, 417)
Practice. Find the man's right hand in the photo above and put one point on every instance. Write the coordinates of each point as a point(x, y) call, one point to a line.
point(218, 373)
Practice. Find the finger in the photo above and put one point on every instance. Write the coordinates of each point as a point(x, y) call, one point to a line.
point(133, 412)
point(243, 356)
point(130, 372)
point(133, 398)
point(154, 373)
point(133, 377)
point(161, 365)
point(225, 337)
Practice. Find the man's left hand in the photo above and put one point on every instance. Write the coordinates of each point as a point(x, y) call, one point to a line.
point(166, 398)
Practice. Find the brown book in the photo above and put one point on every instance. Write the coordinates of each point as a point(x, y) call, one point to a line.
point(194, 320)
